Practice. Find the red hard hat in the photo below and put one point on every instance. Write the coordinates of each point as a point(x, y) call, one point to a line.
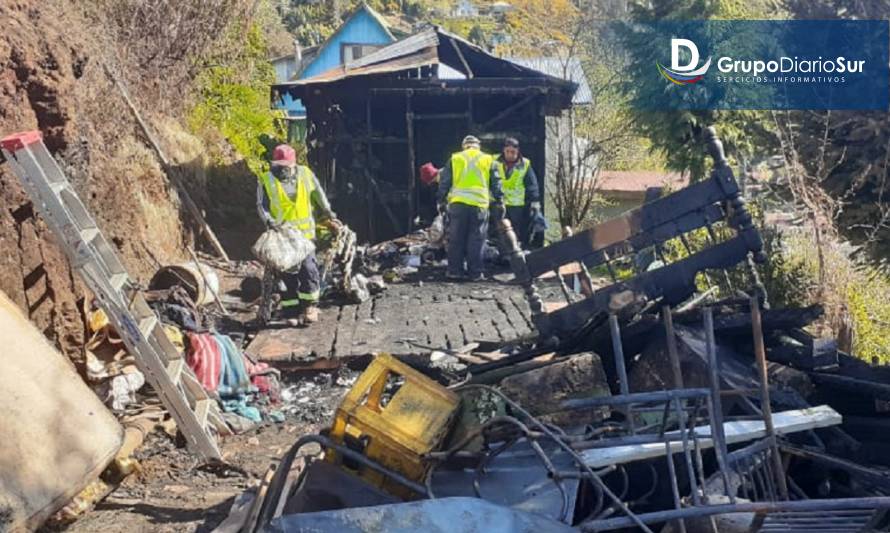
point(284, 155)
point(428, 173)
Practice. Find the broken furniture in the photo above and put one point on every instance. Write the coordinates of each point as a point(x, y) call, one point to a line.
point(57, 435)
point(697, 442)
point(512, 459)
point(705, 204)
point(197, 414)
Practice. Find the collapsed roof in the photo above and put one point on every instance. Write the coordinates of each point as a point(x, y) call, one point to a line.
point(439, 55)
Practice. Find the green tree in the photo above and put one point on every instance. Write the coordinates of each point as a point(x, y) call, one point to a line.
point(846, 154)
point(676, 133)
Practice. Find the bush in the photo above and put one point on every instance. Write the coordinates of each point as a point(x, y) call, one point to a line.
point(854, 294)
point(234, 99)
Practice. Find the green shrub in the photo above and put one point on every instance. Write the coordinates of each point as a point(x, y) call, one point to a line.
point(853, 292)
point(234, 100)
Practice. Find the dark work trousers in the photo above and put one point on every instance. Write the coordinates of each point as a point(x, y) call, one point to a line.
point(467, 230)
point(303, 284)
point(519, 219)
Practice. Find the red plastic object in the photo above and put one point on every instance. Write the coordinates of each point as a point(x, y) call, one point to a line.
point(428, 174)
point(284, 155)
point(17, 141)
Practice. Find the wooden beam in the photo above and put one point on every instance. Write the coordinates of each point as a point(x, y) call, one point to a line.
point(470, 120)
point(362, 139)
point(370, 198)
point(409, 123)
point(187, 201)
point(467, 70)
point(376, 189)
point(440, 116)
point(508, 111)
point(368, 117)
point(461, 90)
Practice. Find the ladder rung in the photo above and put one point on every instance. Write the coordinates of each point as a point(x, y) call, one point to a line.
point(202, 410)
point(192, 386)
point(119, 280)
point(174, 370)
point(89, 234)
point(196, 414)
point(147, 325)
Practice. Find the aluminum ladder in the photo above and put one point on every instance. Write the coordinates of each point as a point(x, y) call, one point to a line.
point(196, 414)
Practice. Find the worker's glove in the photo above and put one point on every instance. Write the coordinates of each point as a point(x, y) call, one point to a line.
point(334, 225)
point(498, 212)
point(535, 208)
point(441, 208)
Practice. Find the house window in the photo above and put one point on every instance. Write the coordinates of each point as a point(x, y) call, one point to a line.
point(350, 52)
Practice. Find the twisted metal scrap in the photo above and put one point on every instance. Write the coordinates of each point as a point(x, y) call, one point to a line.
point(542, 428)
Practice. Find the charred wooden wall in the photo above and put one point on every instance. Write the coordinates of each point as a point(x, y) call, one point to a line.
point(366, 142)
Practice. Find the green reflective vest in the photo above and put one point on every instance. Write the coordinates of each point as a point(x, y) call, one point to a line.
point(470, 175)
point(514, 184)
point(297, 210)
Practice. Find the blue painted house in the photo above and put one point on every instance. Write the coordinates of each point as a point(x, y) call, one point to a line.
point(363, 32)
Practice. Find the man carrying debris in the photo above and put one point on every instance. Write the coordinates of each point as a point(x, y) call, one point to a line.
point(469, 185)
point(290, 194)
point(520, 185)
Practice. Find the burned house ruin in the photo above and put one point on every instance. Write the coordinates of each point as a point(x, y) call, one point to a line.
point(374, 121)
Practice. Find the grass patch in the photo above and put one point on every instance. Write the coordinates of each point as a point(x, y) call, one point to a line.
point(855, 295)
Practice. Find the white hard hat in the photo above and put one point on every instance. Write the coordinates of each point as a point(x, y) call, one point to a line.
point(470, 140)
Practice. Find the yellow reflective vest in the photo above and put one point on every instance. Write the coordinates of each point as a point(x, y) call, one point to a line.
point(514, 183)
point(297, 210)
point(470, 177)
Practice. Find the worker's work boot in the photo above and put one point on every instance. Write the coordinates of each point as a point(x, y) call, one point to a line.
point(310, 314)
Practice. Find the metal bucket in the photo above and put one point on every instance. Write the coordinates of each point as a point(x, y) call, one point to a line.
point(200, 281)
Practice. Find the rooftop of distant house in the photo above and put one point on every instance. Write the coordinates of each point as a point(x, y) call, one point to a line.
point(635, 182)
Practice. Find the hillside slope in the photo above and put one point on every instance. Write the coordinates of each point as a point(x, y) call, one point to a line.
point(52, 79)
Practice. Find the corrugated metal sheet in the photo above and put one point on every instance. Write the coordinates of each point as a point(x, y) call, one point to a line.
point(411, 45)
point(429, 47)
point(482, 63)
point(420, 59)
point(570, 70)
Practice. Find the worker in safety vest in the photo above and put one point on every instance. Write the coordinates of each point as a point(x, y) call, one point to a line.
point(290, 194)
point(469, 185)
point(521, 193)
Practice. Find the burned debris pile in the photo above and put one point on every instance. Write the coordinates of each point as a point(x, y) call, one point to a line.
point(641, 401)
point(640, 406)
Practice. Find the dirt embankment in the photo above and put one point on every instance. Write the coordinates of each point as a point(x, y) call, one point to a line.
point(52, 79)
